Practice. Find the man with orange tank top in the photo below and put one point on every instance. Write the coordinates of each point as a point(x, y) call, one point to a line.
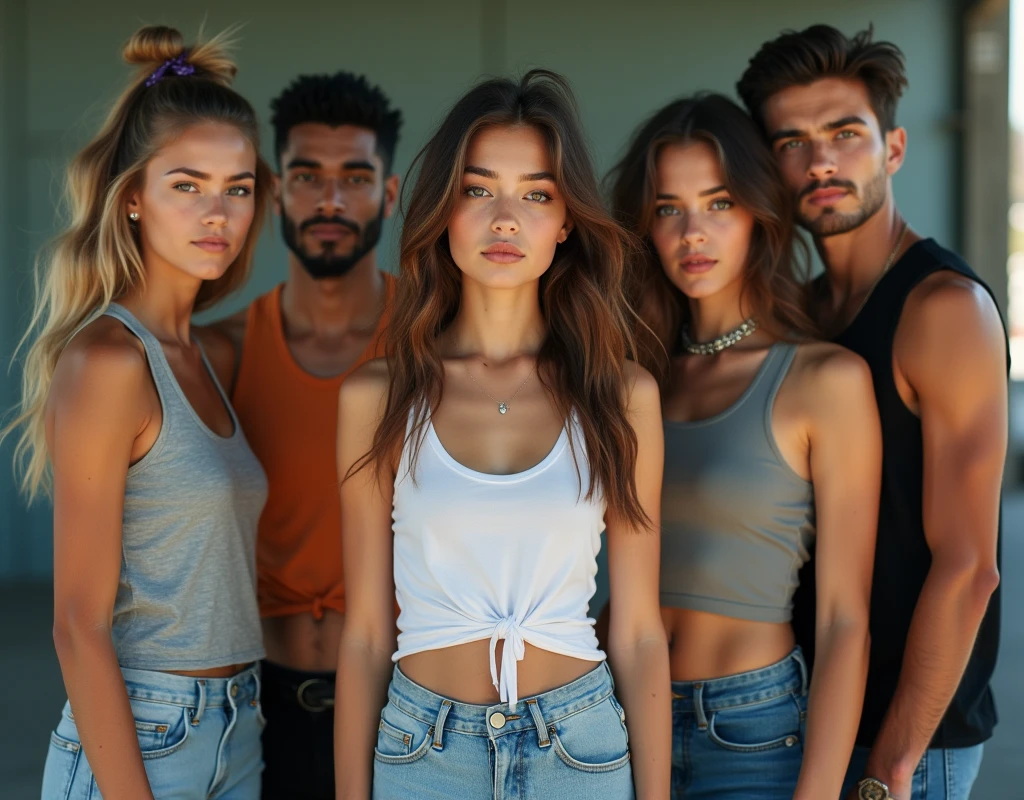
point(335, 138)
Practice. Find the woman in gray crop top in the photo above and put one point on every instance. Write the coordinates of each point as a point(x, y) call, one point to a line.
point(771, 442)
point(156, 492)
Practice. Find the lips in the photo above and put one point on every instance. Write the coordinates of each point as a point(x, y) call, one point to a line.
point(212, 244)
point(503, 253)
point(826, 197)
point(329, 233)
point(697, 263)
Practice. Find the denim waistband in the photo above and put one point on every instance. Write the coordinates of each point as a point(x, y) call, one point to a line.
point(182, 690)
point(783, 677)
point(479, 720)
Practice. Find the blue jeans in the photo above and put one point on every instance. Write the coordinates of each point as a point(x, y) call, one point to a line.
point(200, 738)
point(941, 774)
point(567, 743)
point(740, 736)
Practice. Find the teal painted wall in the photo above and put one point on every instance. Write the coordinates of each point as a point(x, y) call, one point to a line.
point(60, 67)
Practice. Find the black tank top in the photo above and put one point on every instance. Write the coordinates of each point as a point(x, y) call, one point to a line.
point(902, 557)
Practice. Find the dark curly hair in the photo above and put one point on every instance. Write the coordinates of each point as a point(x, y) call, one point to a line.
point(343, 98)
point(821, 51)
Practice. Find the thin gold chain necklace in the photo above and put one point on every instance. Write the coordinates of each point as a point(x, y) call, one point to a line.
point(503, 405)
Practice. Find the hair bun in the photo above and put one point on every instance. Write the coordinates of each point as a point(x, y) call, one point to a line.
point(153, 45)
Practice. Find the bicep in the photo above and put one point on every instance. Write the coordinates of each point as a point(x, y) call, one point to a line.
point(92, 428)
point(366, 506)
point(634, 551)
point(846, 465)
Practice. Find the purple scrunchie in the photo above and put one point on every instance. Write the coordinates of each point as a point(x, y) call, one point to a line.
point(178, 65)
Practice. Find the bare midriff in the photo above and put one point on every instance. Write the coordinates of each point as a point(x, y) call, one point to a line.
point(705, 646)
point(213, 672)
point(303, 642)
point(463, 672)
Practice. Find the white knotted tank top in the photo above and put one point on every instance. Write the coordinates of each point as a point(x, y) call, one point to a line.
point(482, 556)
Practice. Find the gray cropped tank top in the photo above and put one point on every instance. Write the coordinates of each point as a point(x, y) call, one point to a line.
point(186, 597)
point(737, 521)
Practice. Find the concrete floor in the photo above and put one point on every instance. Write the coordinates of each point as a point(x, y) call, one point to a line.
point(31, 703)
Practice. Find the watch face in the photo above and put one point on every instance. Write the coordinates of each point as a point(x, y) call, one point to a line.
point(873, 790)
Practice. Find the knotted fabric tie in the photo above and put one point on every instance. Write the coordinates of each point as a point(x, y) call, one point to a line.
point(508, 687)
point(178, 65)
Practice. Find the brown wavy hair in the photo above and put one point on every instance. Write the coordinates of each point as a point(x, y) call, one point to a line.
point(582, 362)
point(776, 283)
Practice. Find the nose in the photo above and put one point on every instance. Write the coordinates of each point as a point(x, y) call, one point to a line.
point(823, 163)
point(693, 230)
point(504, 222)
point(215, 215)
point(331, 199)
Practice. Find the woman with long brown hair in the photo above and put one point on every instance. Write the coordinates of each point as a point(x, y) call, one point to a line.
point(156, 493)
point(771, 444)
point(482, 458)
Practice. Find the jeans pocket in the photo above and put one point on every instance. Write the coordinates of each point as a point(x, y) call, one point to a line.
point(161, 728)
point(759, 726)
point(593, 740)
point(401, 738)
point(59, 771)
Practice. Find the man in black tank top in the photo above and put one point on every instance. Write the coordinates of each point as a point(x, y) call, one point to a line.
point(930, 331)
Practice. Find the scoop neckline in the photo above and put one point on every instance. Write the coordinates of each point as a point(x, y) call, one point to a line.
point(489, 477)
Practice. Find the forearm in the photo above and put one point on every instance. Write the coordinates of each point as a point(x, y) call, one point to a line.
point(643, 685)
point(103, 715)
point(834, 708)
point(363, 677)
point(942, 633)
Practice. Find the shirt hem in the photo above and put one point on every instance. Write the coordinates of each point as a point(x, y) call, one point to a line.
point(725, 608)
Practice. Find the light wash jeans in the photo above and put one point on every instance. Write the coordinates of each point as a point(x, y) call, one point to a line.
point(564, 744)
point(941, 774)
point(741, 736)
point(200, 738)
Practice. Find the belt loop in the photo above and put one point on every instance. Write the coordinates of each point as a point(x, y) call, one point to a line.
point(543, 739)
point(799, 657)
point(201, 705)
point(698, 705)
point(442, 715)
point(259, 687)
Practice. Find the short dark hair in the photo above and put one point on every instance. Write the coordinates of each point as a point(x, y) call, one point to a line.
point(821, 51)
point(343, 98)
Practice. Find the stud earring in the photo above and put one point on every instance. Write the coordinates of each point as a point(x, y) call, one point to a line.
point(134, 216)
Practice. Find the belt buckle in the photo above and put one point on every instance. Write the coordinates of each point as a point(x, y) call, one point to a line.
point(300, 696)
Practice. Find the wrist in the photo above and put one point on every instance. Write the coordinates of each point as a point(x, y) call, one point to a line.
point(891, 772)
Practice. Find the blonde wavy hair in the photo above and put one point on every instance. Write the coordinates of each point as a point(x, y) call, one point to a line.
point(97, 257)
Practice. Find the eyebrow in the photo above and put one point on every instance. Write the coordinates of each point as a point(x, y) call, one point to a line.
point(202, 176)
point(528, 177)
point(705, 193)
point(794, 133)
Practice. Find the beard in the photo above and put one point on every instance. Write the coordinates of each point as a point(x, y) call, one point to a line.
point(330, 264)
point(831, 222)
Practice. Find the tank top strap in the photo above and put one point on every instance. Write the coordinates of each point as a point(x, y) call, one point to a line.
point(216, 382)
point(770, 377)
point(163, 377)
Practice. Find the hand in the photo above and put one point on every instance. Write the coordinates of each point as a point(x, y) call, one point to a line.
point(897, 790)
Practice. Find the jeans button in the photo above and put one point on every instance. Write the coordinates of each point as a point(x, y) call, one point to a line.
point(234, 691)
point(497, 720)
point(790, 741)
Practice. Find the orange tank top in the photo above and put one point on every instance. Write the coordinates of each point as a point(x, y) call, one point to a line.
point(290, 418)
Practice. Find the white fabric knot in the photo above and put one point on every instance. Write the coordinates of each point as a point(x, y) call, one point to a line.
point(508, 688)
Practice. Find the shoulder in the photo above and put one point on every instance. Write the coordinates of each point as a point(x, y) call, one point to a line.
point(105, 361)
point(947, 297)
point(366, 388)
point(641, 385)
point(831, 377)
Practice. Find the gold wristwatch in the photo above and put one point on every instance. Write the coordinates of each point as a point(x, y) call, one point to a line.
point(873, 789)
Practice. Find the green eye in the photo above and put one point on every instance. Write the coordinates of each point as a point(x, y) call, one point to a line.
point(239, 191)
point(845, 135)
point(538, 196)
point(476, 191)
point(666, 211)
point(722, 204)
point(186, 187)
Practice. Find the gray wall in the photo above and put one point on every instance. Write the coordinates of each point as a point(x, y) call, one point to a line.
point(60, 67)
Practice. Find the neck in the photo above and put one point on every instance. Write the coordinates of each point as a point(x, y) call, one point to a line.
point(710, 317)
point(854, 260)
point(332, 304)
point(164, 302)
point(497, 324)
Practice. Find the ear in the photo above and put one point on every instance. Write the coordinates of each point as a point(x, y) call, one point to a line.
point(133, 201)
point(390, 195)
point(276, 192)
point(895, 150)
point(566, 229)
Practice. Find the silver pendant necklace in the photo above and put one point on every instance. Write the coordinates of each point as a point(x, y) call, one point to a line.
point(502, 404)
point(720, 343)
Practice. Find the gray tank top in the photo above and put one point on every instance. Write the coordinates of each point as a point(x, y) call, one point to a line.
point(737, 521)
point(186, 598)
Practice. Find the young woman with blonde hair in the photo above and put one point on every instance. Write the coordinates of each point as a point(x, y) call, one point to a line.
point(482, 458)
point(156, 493)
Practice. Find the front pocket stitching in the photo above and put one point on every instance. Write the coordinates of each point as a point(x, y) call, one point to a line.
point(415, 755)
point(166, 751)
point(395, 734)
point(582, 766)
point(64, 744)
point(774, 744)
